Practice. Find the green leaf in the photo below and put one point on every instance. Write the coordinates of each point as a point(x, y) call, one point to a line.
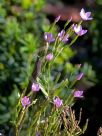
point(43, 90)
point(61, 85)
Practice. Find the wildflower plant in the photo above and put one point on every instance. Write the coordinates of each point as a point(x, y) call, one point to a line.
point(44, 108)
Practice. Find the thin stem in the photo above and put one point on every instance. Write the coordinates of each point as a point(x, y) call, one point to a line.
point(73, 41)
point(51, 27)
point(18, 125)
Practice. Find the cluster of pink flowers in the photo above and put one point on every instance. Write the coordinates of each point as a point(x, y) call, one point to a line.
point(79, 31)
point(78, 28)
point(25, 101)
point(63, 37)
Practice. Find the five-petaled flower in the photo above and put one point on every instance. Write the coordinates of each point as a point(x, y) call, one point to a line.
point(49, 56)
point(57, 102)
point(78, 94)
point(78, 30)
point(25, 101)
point(48, 37)
point(79, 76)
point(35, 87)
point(85, 16)
point(62, 36)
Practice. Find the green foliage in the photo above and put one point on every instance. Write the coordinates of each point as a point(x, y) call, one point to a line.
point(18, 41)
point(42, 113)
point(20, 29)
point(7, 106)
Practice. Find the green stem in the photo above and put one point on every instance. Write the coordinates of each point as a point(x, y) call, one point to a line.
point(56, 42)
point(66, 24)
point(18, 126)
point(46, 49)
point(37, 116)
point(69, 100)
point(51, 27)
point(73, 41)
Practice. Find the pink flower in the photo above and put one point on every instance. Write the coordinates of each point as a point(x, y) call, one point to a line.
point(48, 37)
point(57, 19)
point(79, 76)
point(70, 19)
point(37, 133)
point(85, 16)
point(25, 101)
point(78, 30)
point(35, 87)
point(49, 57)
point(57, 102)
point(78, 94)
point(62, 36)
